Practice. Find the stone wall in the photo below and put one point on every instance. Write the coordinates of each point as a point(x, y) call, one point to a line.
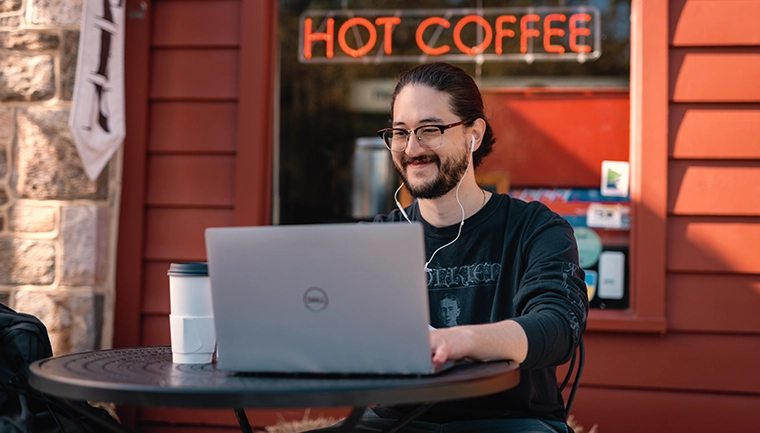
point(57, 227)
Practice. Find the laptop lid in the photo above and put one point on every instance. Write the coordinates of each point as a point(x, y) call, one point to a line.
point(330, 298)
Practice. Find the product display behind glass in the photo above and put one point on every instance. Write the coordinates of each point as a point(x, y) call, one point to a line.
point(329, 108)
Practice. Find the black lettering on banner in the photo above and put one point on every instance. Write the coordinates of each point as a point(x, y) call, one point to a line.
point(99, 77)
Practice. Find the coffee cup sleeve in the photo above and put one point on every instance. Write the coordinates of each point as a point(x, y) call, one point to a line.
point(192, 334)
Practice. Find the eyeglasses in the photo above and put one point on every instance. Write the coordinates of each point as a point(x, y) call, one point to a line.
point(428, 136)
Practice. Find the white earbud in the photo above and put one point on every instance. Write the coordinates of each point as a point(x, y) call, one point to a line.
point(472, 144)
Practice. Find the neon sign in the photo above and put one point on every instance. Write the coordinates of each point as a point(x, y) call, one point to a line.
point(530, 34)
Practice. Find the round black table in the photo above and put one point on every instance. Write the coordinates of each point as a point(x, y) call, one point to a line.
point(146, 376)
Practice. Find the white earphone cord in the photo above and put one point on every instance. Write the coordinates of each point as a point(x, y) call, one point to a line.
point(461, 223)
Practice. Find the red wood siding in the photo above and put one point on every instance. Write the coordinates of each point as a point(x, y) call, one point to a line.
point(189, 151)
point(184, 180)
point(177, 234)
point(714, 188)
point(714, 244)
point(188, 73)
point(713, 22)
point(624, 410)
point(192, 143)
point(188, 126)
point(713, 229)
point(715, 131)
point(196, 23)
point(155, 330)
point(675, 361)
point(156, 300)
point(700, 375)
point(714, 74)
point(722, 303)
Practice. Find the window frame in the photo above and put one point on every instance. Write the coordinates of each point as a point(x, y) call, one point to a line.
point(649, 170)
point(648, 157)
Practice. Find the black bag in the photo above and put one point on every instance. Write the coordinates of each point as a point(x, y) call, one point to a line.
point(23, 340)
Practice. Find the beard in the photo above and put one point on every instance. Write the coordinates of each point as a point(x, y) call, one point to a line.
point(450, 172)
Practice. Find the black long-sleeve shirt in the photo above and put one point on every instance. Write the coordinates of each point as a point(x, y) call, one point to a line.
point(513, 260)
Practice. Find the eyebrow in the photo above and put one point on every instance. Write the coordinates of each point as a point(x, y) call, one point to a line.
point(428, 120)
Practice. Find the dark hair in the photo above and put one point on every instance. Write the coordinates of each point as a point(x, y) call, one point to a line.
point(465, 99)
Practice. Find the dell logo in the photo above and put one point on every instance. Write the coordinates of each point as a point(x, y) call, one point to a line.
point(315, 299)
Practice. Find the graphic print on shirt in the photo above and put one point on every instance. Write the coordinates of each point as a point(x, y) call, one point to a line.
point(449, 310)
point(455, 292)
point(573, 269)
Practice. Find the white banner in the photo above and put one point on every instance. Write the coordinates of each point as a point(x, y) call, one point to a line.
point(97, 108)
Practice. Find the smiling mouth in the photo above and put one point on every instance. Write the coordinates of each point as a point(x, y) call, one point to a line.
point(419, 160)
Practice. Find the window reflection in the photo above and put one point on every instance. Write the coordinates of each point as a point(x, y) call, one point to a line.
point(328, 110)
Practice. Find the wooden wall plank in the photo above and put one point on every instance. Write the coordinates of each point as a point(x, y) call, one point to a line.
point(722, 131)
point(155, 330)
point(713, 244)
point(191, 180)
point(714, 303)
point(674, 361)
point(192, 126)
point(714, 22)
point(196, 23)
point(635, 411)
point(155, 288)
point(178, 233)
point(194, 74)
point(714, 188)
point(714, 75)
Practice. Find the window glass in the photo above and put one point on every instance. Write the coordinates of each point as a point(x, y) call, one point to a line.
point(334, 88)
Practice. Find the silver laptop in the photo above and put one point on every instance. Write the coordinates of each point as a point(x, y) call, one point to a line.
point(333, 298)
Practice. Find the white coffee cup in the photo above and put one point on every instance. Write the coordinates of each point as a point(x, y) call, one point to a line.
point(191, 322)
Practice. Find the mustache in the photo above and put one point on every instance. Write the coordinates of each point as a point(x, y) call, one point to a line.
point(406, 159)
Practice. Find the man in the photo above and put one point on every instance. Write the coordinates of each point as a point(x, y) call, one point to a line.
point(511, 266)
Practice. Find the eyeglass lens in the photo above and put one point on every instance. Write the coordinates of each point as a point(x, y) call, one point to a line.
point(429, 137)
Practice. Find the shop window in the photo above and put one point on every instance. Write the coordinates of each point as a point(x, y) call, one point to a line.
point(555, 75)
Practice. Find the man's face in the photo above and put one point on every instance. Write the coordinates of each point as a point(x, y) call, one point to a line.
point(429, 173)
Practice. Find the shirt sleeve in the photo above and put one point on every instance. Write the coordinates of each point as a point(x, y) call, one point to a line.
point(552, 300)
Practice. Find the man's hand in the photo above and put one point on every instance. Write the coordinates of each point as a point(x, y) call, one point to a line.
point(493, 341)
point(450, 344)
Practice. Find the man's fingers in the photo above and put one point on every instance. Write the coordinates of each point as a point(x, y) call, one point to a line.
point(440, 354)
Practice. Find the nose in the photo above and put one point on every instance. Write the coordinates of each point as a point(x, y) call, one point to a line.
point(413, 146)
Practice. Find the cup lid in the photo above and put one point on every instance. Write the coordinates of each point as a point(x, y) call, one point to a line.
point(188, 269)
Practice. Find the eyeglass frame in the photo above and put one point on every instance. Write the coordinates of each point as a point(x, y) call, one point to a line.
point(409, 132)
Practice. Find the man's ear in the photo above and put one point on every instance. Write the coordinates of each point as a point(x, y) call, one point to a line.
point(478, 130)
